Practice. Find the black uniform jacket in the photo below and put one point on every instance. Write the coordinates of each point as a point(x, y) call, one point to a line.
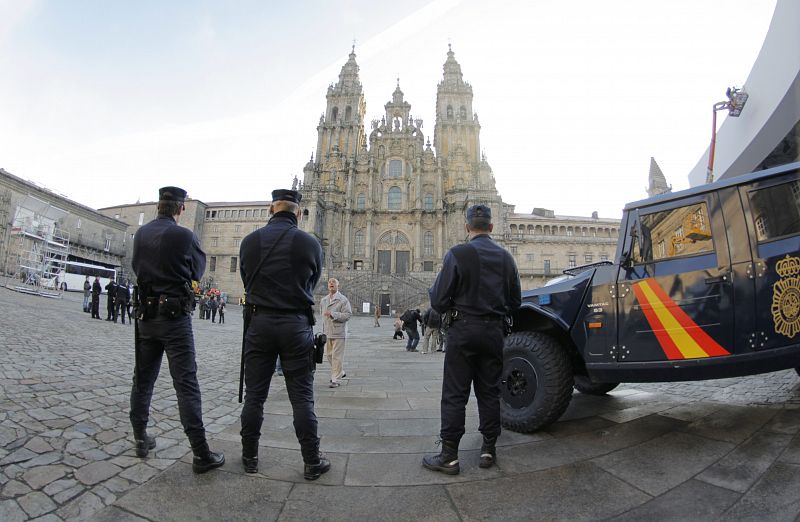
point(165, 256)
point(477, 278)
point(286, 280)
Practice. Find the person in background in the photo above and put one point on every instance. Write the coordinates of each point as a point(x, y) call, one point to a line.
point(87, 294)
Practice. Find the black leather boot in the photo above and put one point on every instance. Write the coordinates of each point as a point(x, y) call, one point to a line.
point(446, 461)
point(144, 443)
point(250, 456)
point(313, 470)
point(488, 452)
point(205, 459)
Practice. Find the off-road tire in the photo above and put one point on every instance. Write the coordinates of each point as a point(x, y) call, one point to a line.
point(584, 385)
point(797, 370)
point(537, 381)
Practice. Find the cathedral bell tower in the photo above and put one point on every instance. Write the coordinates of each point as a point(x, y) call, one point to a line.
point(341, 128)
point(457, 131)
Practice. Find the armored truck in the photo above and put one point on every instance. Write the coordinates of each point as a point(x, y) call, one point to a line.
point(705, 284)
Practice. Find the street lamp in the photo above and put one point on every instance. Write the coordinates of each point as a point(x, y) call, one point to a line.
point(735, 103)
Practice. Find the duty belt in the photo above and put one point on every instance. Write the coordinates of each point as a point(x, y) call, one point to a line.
point(258, 309)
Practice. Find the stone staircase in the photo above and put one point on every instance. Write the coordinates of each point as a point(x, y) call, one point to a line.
point(405, 291)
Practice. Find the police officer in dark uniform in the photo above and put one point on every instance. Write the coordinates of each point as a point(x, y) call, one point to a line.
point(111, 293)
point(280, 266)
point(477, 288)
point(166, 259)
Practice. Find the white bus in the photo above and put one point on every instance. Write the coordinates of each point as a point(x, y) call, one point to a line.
point(74, 274)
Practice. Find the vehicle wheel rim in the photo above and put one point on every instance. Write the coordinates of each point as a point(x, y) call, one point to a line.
point(519, 383)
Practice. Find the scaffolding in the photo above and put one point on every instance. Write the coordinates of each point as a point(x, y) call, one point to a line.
point(41, 248)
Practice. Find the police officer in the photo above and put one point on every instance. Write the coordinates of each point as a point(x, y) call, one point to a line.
point(478, 286)
point(166, 259)
point(280, 266)
point(111, 293)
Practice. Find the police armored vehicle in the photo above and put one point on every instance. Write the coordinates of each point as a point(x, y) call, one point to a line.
point(705, 284)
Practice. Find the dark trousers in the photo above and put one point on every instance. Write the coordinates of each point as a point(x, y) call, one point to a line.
point(221, 317)
point(413, 338)
point(173, 337)
point(110, 308)
point(120, 309)
point(291, 338)
point(213, 315)
point(474, 357)
point(96, 306)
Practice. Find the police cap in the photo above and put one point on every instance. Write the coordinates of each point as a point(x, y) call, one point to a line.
point(479, 215)
point(171, 194)
point(286, 195)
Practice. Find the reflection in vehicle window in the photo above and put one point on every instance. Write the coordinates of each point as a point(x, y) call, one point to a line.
point(776, 210)
point(676, 232)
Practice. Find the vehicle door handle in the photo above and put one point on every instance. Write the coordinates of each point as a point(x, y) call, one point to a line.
point(724, 278)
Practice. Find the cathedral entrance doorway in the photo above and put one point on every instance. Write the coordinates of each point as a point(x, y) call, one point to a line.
point(386, 304)
point(393, 245)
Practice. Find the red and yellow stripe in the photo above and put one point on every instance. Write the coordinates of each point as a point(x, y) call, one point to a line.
point(678, 335)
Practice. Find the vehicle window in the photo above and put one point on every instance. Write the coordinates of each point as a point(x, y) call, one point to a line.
point(672, 233)
point(776, 210)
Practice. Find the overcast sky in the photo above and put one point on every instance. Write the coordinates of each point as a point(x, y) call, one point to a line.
point(105, 101)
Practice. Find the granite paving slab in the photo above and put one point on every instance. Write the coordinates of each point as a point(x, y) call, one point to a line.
point(690, 501)
point(774, 497)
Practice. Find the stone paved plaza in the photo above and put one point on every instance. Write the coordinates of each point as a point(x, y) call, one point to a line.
point(726, 450)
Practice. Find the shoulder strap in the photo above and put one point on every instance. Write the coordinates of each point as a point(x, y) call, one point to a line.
point(261, 263)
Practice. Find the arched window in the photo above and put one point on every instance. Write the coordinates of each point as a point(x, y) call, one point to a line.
point(463, 112)
point(358, 243)
point(348, 113)
point(449, 112)
point(361, 201)
point(395, 198)
point(334, 113)
point(395, 168)
point(428, 202)
point(427, 244)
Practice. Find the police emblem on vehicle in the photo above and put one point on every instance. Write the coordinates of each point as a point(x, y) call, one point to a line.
point(786, 297)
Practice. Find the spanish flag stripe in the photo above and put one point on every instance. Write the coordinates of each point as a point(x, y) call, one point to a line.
point(685, 343)
point(664, 339)
point(709, 345)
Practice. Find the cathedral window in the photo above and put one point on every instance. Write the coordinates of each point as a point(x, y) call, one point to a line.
point(463, 112)
point(348, 113)
point(212, 264)
point(395, 168)
point(427, 266)
point(449, 112)
point(358, 242)
point(427, 244)
point(361, 201)
point(334, 113)
point(428, 201)
point(394, 199)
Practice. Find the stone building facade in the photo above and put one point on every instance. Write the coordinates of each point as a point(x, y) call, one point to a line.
point(92, 236)
point(386, 203)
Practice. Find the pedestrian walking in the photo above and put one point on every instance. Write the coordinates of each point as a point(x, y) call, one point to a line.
point(213, 305)
point(87, 295)
point(477, 287)
point(111, 295)
point(166, 259)
point(280, 265)
point(336, 311)
point(410, 320)
point(433, 322)
point(221, 310)
point(377, 316)
point(121, 299)
point(97, 289)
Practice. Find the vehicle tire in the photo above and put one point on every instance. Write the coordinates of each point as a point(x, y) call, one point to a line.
point(797, 370)
point(585, 385)
point(537, 381)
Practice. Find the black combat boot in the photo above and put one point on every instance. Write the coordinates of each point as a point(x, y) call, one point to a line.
point(313, 470)
point(488, 452)
point(205, 459)
point(446, 461)
point(144, 443)
point(250, 456)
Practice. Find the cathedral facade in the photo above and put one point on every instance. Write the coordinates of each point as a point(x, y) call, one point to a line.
point(385, 200)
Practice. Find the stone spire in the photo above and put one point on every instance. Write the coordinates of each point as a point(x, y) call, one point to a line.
point(349, 82)
point(657, 183)
point(457, 127)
